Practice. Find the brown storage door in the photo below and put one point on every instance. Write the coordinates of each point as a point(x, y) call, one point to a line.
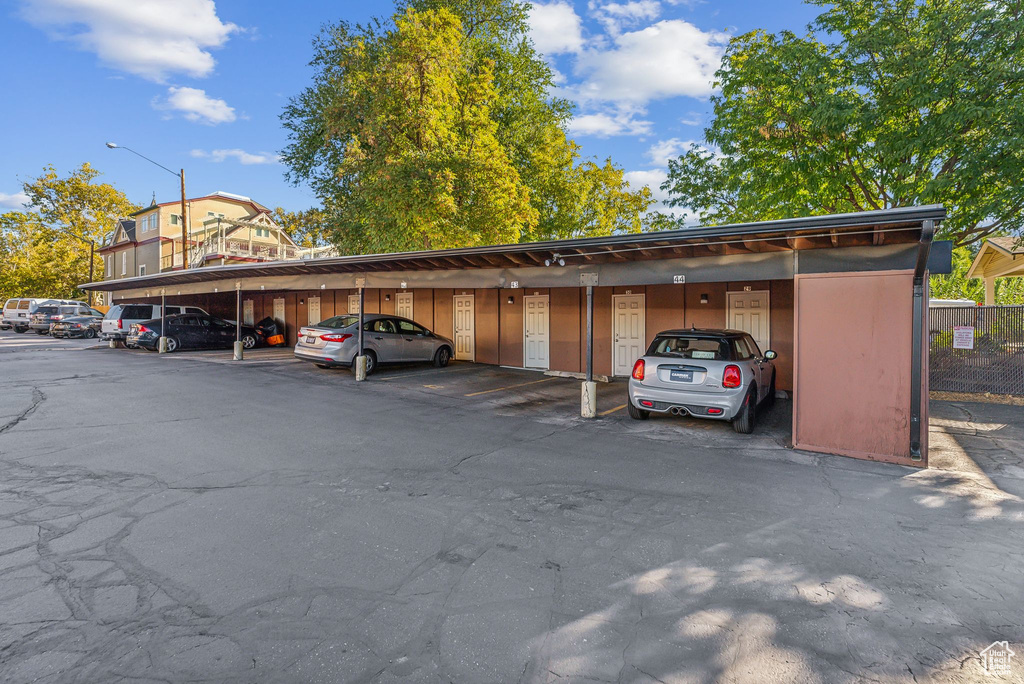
point(852, 365)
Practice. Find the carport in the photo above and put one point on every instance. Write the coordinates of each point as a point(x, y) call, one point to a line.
point(840, 298)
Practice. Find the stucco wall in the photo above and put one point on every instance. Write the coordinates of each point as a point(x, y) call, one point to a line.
point(853, 361)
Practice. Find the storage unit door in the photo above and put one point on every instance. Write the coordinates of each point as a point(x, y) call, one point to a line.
point(628, 343)
point(403, 305)
point(749, 312)
point(537, 326)
point(465, 336)
point(314, 310)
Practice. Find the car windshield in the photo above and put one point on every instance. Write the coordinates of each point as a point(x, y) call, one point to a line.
point(691, 347)
point(338, 322)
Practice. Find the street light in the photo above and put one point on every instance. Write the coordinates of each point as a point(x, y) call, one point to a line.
point(184, 223)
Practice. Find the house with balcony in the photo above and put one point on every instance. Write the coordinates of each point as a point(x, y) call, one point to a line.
point(220, 228)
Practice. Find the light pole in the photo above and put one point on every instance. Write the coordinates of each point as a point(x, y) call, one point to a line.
point(184, 224)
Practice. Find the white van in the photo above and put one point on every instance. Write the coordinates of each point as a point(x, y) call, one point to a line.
point(118, 320)
point(18, 312)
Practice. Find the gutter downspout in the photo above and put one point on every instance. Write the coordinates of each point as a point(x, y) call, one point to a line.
point(917, 337)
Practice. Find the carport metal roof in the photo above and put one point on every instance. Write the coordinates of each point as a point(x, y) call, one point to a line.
point(888, 226)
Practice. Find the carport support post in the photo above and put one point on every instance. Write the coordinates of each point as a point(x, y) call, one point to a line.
point(161, 344)
point(238, 322)
point(360, 359)
point(588, 394)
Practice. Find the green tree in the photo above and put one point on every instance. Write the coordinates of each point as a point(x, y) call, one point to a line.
point(516, 132)
point(308, 228)
point(417, 162)
point(883, 103)
point(46, 249)
point(957, 286)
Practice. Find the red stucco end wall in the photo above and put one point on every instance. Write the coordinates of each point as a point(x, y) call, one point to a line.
point(852, 365)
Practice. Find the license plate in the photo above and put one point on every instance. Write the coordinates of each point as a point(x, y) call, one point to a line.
point(681, 375)
point(310, 339)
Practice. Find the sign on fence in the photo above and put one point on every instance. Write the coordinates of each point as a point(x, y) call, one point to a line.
point(963, 337)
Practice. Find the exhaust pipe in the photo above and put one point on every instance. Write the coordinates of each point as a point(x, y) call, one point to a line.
point(677, 411)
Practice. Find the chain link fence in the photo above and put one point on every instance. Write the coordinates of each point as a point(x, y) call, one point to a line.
point(976, 349)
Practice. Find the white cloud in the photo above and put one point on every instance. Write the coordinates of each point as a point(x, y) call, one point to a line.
point(652, 178)
point(243, 157)
point(148, 38)
point(555, 28)
point(15, 200)
point(660, 152)
point(615, 16)
point(692, 119)
point(605, 124)
point(195, 105)
point(667, 59)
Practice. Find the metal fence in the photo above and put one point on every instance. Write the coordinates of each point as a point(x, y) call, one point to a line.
point(977, 349)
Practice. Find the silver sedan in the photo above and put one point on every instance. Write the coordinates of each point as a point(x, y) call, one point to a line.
point(716, 374)
point(386, 339)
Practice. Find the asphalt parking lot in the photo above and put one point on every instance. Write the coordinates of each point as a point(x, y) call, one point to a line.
point(184, 517)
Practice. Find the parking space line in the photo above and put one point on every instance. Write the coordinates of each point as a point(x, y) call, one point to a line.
point(427, 372)
point(609, 411)
point(507, 387)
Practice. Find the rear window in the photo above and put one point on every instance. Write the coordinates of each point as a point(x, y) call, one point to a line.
point(46, 310)
point(71, 310)
point(695, 348)
point(142, 312)
point(23, 304)
point(338, 322)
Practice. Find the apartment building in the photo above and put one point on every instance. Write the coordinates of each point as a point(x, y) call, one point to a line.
point(222, 228)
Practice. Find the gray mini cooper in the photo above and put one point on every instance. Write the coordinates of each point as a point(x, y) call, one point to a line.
point(386, 339)
point(716, 374)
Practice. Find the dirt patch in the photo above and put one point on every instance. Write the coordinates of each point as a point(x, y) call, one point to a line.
point(982, 397)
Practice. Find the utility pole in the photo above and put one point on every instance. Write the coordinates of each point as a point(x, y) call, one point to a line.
point(184, 229)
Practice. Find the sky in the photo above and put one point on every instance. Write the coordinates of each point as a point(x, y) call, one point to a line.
point(200, 84)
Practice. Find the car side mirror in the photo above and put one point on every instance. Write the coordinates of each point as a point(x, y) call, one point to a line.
point(770, 355)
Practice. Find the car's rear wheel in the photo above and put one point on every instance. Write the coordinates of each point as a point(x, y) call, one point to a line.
point(248, 341)
point(172, 344)
point(442, 357)
point(89, 333)
point(636, 413)
point(21, 330)
point(743, 423)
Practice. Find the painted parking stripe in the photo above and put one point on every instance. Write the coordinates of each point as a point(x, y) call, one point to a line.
point(507, 387)
point(609, 411)
point(428, 372)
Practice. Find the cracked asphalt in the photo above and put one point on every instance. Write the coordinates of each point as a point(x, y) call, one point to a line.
point(183, 518)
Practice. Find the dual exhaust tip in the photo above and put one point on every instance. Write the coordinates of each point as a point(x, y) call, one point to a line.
point(678, 411)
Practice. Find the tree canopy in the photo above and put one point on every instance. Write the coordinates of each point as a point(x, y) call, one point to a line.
point(436, 129)
point(882, 103)
point(45, 249)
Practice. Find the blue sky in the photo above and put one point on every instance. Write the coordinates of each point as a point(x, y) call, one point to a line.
point(200, 84)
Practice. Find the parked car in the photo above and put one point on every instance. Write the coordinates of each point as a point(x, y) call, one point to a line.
point(78, 326)
point(45, 316)
point(716, 374)
point(18, 312)
point(191, 331)
point(119, 319)
point(386, 339)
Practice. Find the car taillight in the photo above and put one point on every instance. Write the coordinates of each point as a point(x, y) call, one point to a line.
point(731, 376)
point(143, 329)
point(638, 369)
point(57, 318)
point(119, 326)
point(331, 337)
